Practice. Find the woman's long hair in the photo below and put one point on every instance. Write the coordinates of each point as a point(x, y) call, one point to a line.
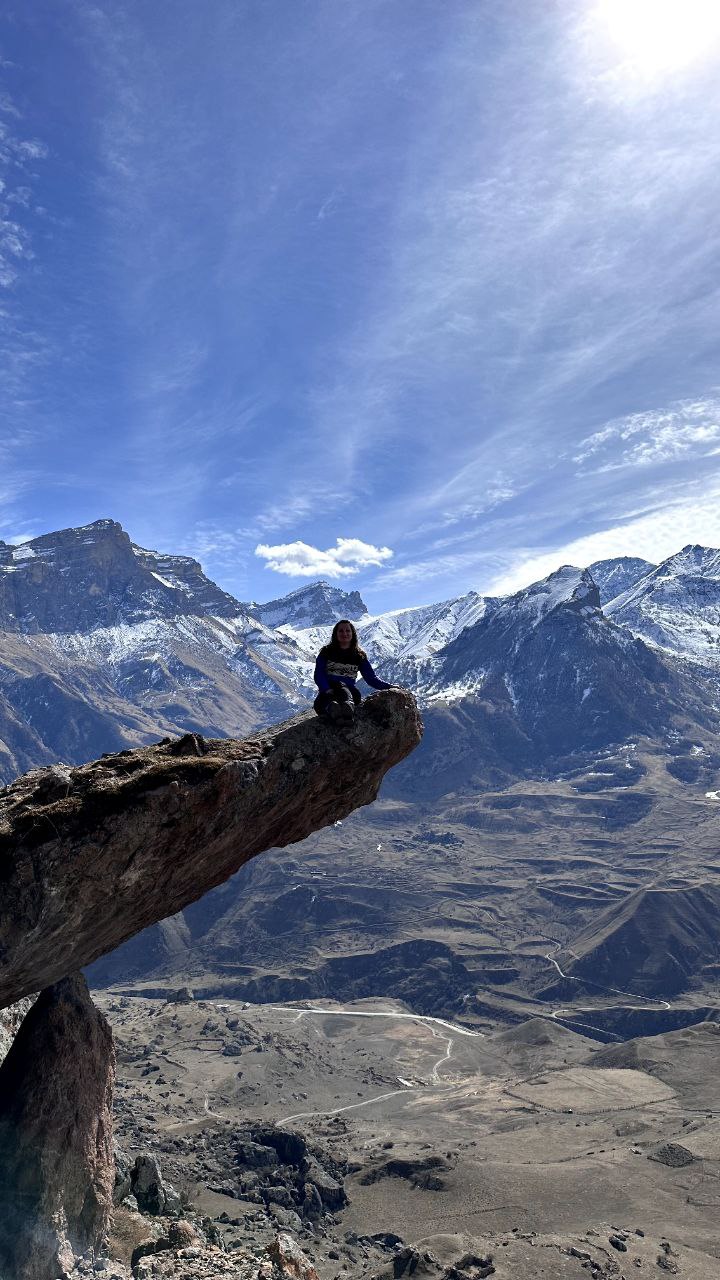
point(334, 647)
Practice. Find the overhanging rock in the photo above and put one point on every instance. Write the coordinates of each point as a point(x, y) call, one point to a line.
point(90, 856)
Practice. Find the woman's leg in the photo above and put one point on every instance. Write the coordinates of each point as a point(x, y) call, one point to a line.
point(338, 695)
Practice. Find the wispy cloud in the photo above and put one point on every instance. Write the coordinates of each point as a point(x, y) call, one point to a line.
point(347, 558)
point(23, 345)
point(653, 437)
point(541, 264)
point(653, 536)
point(418, 283)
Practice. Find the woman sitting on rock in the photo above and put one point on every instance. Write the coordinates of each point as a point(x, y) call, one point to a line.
point(336, 670)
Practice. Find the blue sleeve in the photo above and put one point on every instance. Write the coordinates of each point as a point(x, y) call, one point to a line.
point(370, 678)
point(321, 675)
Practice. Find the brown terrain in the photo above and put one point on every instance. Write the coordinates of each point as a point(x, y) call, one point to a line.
point(495, 1018)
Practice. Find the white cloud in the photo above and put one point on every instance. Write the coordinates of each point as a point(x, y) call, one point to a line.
point(298, 559)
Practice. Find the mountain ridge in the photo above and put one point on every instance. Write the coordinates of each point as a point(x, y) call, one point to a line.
point(107, 644)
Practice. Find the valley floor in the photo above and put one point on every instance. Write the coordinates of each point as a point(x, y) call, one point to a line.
point(444, 1132)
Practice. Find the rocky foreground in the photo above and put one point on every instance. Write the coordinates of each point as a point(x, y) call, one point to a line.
point(89, 857)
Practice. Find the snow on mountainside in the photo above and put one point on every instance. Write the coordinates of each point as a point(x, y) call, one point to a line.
point(315, 605)
point(105, 645)
point(185, 575)
point(613, 577)
point(677, 605)
point(401, 643)
point(78, 579)
point(569, 677)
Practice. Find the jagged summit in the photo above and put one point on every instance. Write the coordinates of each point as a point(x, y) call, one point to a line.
point(571, 678)
point(677, 604)
point(315, 605)
point(567, 587)
point(615, 576)
point(185, 575)
point(77, 580)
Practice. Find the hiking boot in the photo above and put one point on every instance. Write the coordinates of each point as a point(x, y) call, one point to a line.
point(341, 712)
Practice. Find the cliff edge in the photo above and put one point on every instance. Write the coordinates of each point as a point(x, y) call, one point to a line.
point(89, 856)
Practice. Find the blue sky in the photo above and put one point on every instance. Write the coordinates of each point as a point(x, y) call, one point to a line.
point(419, 296)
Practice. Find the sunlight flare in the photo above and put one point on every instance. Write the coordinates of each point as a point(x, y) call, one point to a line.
point(658, 36)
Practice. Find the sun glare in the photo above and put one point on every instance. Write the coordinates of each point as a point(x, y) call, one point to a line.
point(656, 36)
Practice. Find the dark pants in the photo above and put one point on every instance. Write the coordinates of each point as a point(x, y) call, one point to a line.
point(338, 693)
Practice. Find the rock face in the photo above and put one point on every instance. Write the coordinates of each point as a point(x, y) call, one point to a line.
point(92, 855)
point(56, 1161)
point(79, 579)
point(10, 1020)
point(105, 645)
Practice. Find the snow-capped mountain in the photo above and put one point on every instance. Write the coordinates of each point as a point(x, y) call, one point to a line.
point(572, 678)
point(76, 580)
point(107, 644)
point(677, 605)
point(316, 605)
point(401, 643)
point(613, 577)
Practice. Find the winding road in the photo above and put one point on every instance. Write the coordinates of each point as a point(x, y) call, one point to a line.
point(568, 1015)
point(427, 1020)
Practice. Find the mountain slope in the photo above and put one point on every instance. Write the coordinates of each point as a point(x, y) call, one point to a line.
point(613, 577)
point(677, 605)
point(653, 942)
point(318, 605)
point(574, 680)
point(402, 642)
point(106, 645)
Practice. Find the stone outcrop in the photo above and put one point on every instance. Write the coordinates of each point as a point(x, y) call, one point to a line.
point(56, 1160)
point(89, 856)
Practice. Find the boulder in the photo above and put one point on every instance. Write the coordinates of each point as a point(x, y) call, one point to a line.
point(123, 1175)
point(56, 1156)
point(330, 1190)
point(154, 1196)
point(289, 1259)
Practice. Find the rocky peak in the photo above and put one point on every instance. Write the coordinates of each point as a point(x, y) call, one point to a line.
point(183, 574)
point(315, 605)
point(566, 588)
point(693, 560)
point(677, 604)
point(615, 576)
point(498, 637)
point(79, 580)
point(568, 676)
